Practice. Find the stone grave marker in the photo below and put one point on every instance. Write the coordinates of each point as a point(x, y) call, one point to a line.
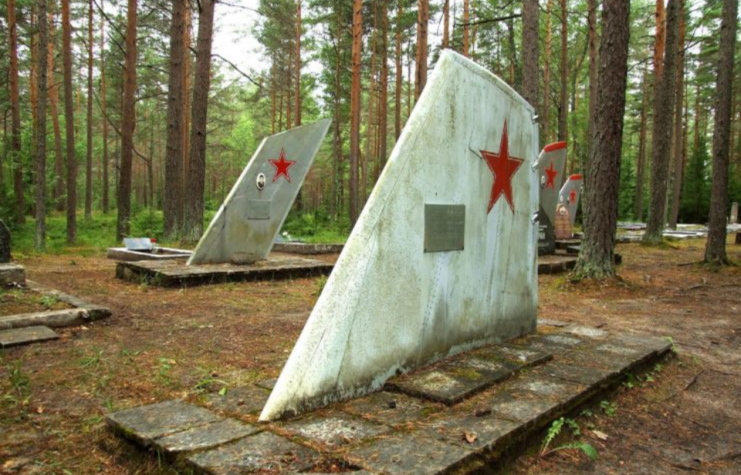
point(245, 227)
point(734, 213)
point(443, 257)
point(4, 243)
point(550, 166)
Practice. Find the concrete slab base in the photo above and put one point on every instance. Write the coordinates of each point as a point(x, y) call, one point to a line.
point(157, 254)
point(24, 336)
point(392, 433)
point(174, 274)
point(555, 263)
point(307, 248)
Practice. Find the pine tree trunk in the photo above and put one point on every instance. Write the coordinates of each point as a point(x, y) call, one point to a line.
point(596, 259)
point(193, 218)
point(399, 91)
point(186, 110)
point(641, 166)
point(128, 124)
point(58, 189)
point(103, 103)
point(563, 126)
point(297, 100)
point(446, 23)
point(15, 115)
point(715, 250)
point(40, 236)
point(69, 119)
point(89, 167)
point(423, 20)
point(384, 86)
point(592, 39)
point(466, 27)
point(175, 93)
point(665, 93)
point(546, 111)
point(660, 41)
point(678, 123)
point(530, 52)
point(357, 44)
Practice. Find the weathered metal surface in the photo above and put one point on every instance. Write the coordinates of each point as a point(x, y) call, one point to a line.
point(445, 227)
point(254, 211)
point(388, 306)
point(570, 194)
point(550, 167)
point(138, 244)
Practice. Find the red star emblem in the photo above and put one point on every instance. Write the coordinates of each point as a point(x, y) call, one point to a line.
point(572, 196)
point(503, 167)
point(281, 166)
point(551, 172)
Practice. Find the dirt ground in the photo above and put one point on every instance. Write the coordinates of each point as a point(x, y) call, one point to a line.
point(683, 417)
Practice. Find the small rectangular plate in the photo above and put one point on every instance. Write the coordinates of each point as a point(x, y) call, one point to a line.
point(444, 227)
point(138, 244)
point(258, 209)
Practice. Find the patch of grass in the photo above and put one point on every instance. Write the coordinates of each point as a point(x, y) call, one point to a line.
point(92, 358)
point(608, 407)
point(20, 393)
point(48, 301)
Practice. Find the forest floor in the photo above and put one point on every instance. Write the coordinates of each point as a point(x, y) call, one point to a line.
point(683, 417)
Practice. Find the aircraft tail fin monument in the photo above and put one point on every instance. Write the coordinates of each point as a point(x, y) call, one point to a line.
point(550, 165)
point(243, 229)
point(443, 256)
point(570, 194)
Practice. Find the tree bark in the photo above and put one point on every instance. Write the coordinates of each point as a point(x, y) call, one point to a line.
point(193, 218)
point(15, 117)
point(641, 165)
point(715, 250)
point(592, 39)
point(466, 27)
point(69, 119)
point(384, 86)
point(563, 125)
point(357, 43)
point(665, 93)
point(678, 123)
point(660, 41)
point(186, 110)
point(423, 20)
point(297, 101)
point(174, 155)
point(596, 259)
point(128, 124)
point(546, 111)
point(58, 193)
point(399, 91)
point(530, 52)
point(40, 236)
point(446, 23)
point(89, 167)
point(103, 104)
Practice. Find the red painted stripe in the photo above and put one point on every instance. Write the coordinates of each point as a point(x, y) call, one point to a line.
point(554, 146)
point(575, 177)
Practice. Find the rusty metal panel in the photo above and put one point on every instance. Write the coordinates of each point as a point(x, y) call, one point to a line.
point(445, 227)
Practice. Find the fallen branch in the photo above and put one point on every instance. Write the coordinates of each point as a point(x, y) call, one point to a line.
point(694, 380)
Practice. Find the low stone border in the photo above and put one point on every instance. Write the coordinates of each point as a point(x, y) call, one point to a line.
point(307, 248)
point(159, 254)
point(83, 312)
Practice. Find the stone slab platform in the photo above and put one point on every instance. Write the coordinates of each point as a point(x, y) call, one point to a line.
point(555, 263)
point(307, 248)
point(11, 274)
point(174, 274)
point(399, 434)
point(24, 336)
point(158, 254)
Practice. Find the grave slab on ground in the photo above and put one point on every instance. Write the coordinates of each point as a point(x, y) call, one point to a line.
point(12, 274)
point(24, 336)
point(392, 433)
point(177, 274)
point(307, 248)
point(156, 254)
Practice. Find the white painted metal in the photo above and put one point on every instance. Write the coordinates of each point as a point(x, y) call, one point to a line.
point(244, 228)
point(550, 166)
point(570, 194)
point(389, 306)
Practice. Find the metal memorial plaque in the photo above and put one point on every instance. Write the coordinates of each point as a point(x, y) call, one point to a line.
point(258, 209)
point(444, 227)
